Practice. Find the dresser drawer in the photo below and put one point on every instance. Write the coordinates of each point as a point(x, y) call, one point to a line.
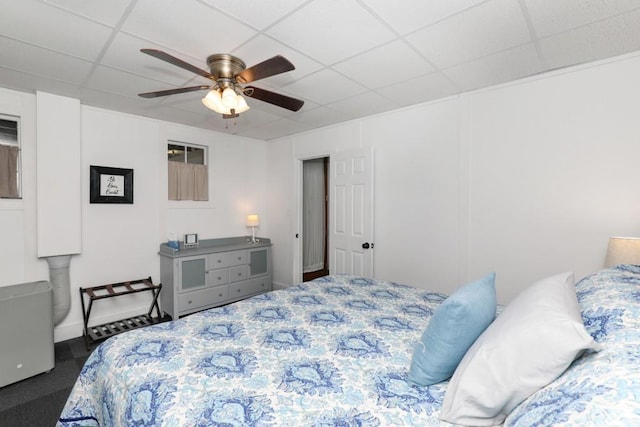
point(249, 287)
point(237, 273)
point(195, 300)
point(227, 259)
point(218, 277)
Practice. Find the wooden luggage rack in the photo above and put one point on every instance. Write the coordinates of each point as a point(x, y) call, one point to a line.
point(106, 330)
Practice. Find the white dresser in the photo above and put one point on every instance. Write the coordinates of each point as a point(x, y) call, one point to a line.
point(217, 272)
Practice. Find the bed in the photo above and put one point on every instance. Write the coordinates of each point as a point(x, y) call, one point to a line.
point(336, 351)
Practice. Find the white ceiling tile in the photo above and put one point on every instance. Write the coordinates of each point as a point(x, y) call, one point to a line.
point(331, 30)
point(112, 101)
point(276, 129)
point(613, 36)
point(42, 62)
point(188, 27)
point(191, 101)
point(421, 89)
point(324, 86)
point(500, 67)
point(177, 115)
point(124, 54)
point(485, 29)
point(415, 14)
point(260, 48)
point(52, 28)
point(119, 82)
point(106, 12)
point(380, 66)
point(323, 115)
point(365, 104)
point(26, 82)
point(552, 16)
point(257, 13)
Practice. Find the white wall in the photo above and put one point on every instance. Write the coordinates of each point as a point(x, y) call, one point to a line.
point(120, 242)
point(526, 179)
point(553, 172)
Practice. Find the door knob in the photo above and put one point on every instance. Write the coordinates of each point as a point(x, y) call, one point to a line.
point(365, 245)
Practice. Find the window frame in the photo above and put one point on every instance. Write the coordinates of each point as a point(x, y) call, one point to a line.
point(204, 148)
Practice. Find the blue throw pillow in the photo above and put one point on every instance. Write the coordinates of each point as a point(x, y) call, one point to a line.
point(454, 327)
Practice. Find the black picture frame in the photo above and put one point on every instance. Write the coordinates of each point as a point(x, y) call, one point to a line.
point(110, 185)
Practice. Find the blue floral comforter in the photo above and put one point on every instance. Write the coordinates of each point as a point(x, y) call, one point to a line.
point(336, 352)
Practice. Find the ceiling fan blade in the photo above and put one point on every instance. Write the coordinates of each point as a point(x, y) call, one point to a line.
point(172, 91)
point(177, 62)
point(283, 101)
point(272, 66)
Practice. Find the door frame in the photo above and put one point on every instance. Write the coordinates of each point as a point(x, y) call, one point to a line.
point(298, 190)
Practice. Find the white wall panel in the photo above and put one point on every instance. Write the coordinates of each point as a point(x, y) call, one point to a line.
point(553, 171)
point(58, 176)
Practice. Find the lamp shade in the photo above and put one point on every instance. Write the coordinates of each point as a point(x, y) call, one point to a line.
point(253, 220)
point(623, 250)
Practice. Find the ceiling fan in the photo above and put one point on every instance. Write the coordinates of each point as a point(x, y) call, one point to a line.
point(228, 75)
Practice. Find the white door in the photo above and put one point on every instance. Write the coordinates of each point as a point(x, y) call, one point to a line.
point(351, 218)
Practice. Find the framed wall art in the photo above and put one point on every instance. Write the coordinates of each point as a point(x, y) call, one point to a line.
point(110, 185)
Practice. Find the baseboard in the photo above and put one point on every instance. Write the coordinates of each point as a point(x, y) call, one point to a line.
point(278, 286)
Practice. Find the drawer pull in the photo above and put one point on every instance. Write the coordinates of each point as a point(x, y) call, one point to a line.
point(219, 261)
point(220, 295)
point(219, 278)
point(189, 302)
point(239, 258)
point(238, 290)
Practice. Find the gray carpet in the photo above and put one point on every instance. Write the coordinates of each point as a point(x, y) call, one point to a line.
point(38, 401)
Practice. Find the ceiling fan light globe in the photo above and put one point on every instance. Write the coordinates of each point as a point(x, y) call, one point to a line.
point(213, 101)
point(242, 105)
point(229, 98)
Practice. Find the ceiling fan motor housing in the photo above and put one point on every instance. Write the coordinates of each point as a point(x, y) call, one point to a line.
point(225, 66)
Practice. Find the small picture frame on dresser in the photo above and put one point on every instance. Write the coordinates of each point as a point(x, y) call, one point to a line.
point(190, 240)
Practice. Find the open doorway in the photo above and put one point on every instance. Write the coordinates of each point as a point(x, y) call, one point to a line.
point(315, 218)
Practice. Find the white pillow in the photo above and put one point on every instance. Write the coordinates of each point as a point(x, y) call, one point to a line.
point(530, 344)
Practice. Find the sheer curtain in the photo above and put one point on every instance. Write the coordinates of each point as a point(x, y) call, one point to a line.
point(313, 215)
point(8, 171)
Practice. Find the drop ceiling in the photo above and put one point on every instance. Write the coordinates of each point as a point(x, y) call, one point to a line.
point(353, 58)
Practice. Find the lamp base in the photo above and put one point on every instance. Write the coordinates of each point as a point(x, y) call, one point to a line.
point(253, 239)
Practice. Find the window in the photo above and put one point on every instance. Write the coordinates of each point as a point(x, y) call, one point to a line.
point(187, 172)
point(9, 157)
